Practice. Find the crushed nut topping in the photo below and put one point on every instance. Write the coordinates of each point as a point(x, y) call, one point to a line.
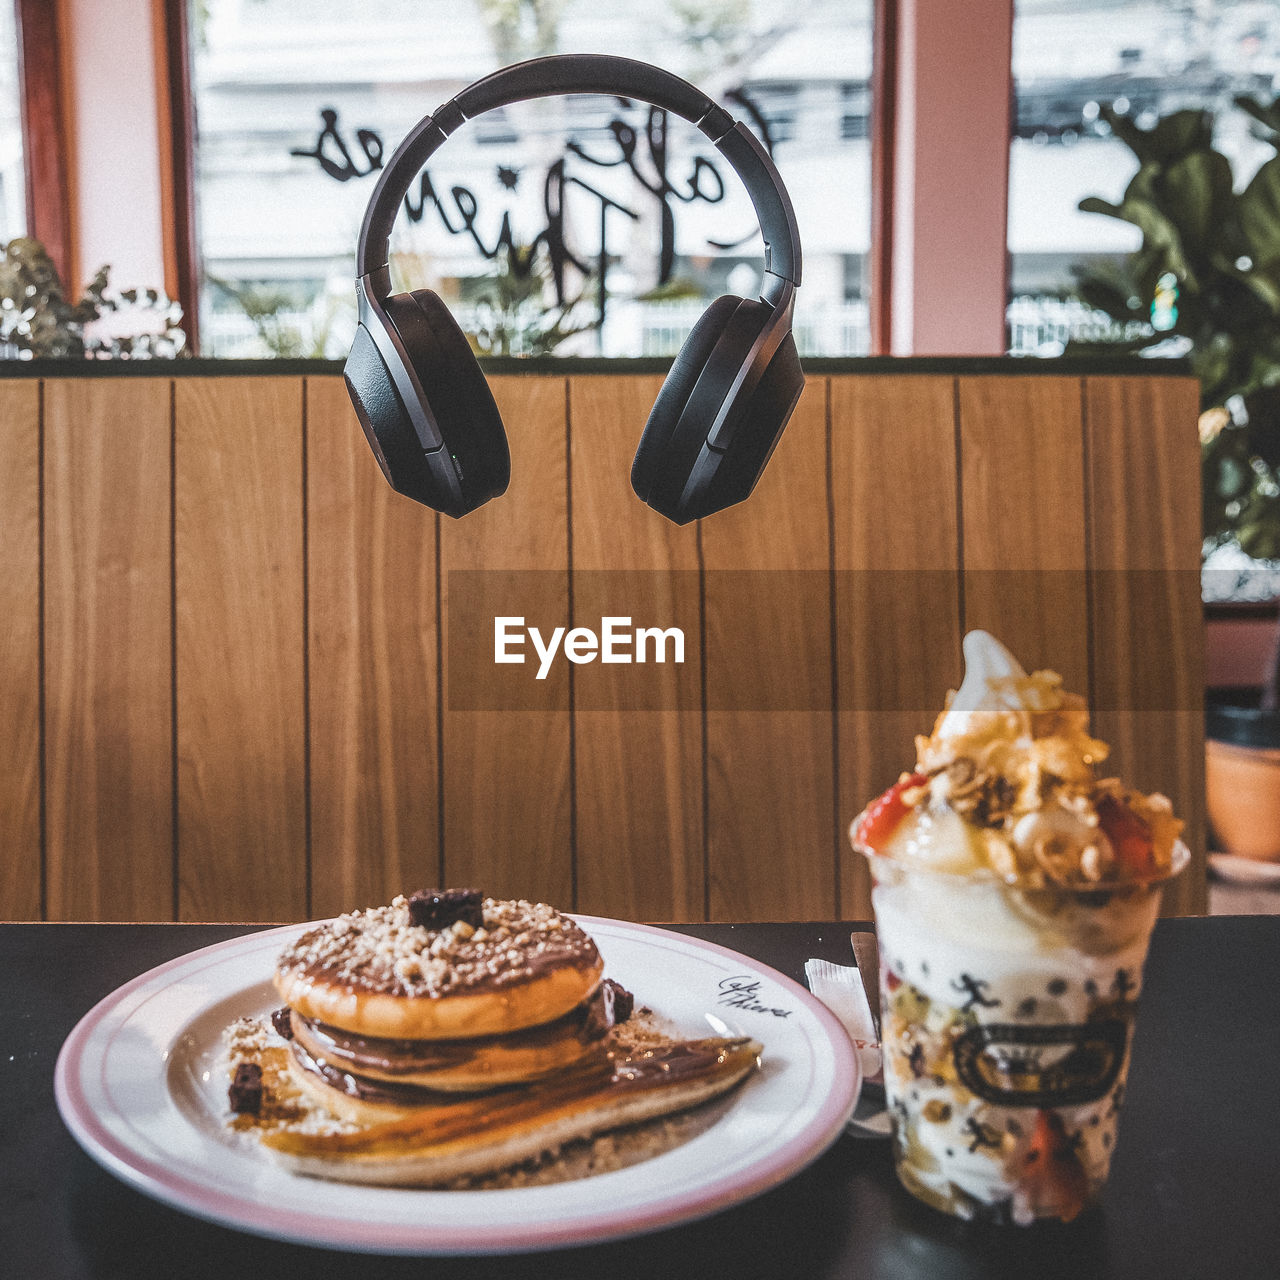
point(382, 949)
point(1020, 771)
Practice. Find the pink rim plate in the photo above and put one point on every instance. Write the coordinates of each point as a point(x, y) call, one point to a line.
point(808, 1090)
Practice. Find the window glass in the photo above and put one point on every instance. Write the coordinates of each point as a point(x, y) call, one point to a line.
point(1144, 59)
point(298, 102)
point(13, 185)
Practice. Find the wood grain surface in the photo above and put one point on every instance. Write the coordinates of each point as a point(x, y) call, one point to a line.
point(1023, 519)
point(241, 745)
point(227, 596)
point(108, 653)
point(897, 574)
point(1144, 550)
point(507, 777)
point(769, 698)
point(372, 688)
point(638, 769)
point(21, 846)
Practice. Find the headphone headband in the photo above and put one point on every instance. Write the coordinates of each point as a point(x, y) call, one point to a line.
point(593, 73)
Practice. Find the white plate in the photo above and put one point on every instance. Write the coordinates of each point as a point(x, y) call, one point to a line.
point(1232, 867)
point(137, 1084)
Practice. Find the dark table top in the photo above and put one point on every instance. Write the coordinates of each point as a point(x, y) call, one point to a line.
point(1193, 1190)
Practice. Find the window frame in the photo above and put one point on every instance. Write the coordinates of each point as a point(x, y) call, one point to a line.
point(45, 136)
point(176, 104)
point(178, 162)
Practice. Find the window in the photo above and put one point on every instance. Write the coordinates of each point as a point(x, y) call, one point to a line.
point(1144, 59)
point(299, 102)
point(13, 186)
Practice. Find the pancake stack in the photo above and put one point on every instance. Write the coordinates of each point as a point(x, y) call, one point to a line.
point(455, 1034)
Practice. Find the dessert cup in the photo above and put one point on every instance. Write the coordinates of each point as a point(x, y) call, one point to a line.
point(1007, 1015)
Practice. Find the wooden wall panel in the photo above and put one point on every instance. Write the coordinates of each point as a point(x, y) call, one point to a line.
point(278, 607)
point(239, 568)
point(1144, 549)
point(507, 774)
point(638, 772)
point(894, 487)
point(1023, 519)
point(768, 672)
point(108, 658)
point(372, 688)
point(21, 869)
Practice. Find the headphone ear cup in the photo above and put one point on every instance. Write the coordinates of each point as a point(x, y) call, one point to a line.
point(766, 412)
point(457, 395)
point(687, 367)
point(386, 423)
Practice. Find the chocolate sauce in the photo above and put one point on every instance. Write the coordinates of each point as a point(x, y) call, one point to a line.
point(439, 908)
point(245, 1092)
point(406, 1095)
point(619, 1003)
point(586, 1024)
point(642, 1069)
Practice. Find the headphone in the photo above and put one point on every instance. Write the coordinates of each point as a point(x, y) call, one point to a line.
point(424, 404)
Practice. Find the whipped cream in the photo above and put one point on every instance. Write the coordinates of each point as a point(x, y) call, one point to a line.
point(1006, 783)
point(986, 661)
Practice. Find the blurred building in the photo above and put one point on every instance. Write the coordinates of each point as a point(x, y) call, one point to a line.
point(276, 226)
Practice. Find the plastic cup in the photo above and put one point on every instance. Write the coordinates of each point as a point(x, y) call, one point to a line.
point(1006, 1019)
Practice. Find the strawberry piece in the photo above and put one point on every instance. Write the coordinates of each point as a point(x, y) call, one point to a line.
point(883, 814)
point(1130, 837)
point(1053, 1179)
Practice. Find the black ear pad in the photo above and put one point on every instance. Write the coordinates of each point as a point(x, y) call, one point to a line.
point(693, 479)
point(767, 410)
point(457, 394)
point(676, 390)
point(386, 423)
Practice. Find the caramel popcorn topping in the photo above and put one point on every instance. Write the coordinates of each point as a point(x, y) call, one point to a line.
point(1008, 782)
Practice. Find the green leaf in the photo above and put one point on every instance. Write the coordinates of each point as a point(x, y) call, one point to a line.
point(1094, 204)
point(1262, 278)
point(1140, 206)
point(1172, 137)
point(1258, 208)
point(1259, 531)
point(1213, 510)
point(1195, 195)
point(1212, 362)
point(1262, 429)
point(1177, 136)
point(1233, 479)
point(1266, 115)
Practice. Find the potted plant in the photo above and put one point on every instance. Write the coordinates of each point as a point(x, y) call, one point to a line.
point(1208, 274)
point(38, 319)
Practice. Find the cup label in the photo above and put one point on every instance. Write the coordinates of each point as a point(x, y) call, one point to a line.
point(1058, 1065)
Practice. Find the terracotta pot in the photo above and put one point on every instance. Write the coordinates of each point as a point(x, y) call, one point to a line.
point(1242, 775)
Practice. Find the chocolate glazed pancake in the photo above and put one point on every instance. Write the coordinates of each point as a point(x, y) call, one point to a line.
point(472, 1065)
point(430, 1146)
point(440, 966)
point(455, 1036)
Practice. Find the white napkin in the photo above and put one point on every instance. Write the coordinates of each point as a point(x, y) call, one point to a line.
point(840, 989)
